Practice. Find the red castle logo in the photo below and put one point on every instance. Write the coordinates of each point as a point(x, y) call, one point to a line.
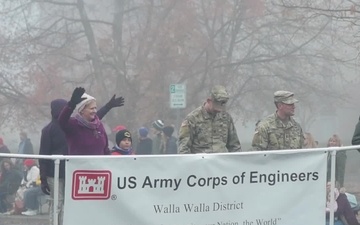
point(91, 185)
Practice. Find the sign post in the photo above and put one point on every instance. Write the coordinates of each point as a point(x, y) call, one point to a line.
point(177, 99)
point(177, 96)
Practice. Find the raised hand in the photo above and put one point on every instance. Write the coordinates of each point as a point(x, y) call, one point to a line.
point(116, 102)
point(76, 97)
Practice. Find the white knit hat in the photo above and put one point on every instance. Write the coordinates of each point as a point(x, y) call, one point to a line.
point(80, 106)
point(158, 125)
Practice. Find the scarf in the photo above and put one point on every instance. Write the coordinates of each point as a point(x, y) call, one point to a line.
point(89, 124)
point(123, 151)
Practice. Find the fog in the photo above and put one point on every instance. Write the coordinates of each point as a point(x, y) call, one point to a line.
point(137, 49)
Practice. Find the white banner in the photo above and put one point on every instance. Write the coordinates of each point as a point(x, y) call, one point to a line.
point(234, 189)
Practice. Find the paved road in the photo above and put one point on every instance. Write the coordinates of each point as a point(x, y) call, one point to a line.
point(24, 220)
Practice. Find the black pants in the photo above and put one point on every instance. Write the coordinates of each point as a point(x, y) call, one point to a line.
point(3, 203)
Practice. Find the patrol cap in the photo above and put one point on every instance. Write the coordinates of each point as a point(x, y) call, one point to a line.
point(220, 96)
point(285, 97)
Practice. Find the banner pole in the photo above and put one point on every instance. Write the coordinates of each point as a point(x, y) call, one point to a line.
point(332, 186)
point(56, 192)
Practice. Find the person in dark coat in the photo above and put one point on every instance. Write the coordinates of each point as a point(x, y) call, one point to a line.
point(144, 146)
point(53, 142)
point(25, 146)
point(3, 148)
point(334, 141)
point(170, 146)
point(10, 180)
point(345, 211)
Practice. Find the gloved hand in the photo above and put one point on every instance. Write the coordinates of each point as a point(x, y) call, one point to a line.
point(115, 102)
point(76, 97)
point(45, 186)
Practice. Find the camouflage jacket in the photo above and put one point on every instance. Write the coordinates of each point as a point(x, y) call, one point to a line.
point(272, 134)
point(202, 133)
point(356, 136)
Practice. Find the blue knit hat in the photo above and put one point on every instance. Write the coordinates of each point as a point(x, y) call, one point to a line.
point(143, 131)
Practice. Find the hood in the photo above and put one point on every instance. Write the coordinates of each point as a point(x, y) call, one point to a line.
point(56, 106)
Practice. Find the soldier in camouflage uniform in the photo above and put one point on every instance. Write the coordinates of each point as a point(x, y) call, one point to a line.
point(356, 136)
point(279, 130)
point(209, 128)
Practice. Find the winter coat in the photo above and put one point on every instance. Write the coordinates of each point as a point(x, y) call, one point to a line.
point(82, 140)
point(144, 146)
point(10, 181)
point(356, 136)
point(53, 141)
point(171, 146)
point(31, 176)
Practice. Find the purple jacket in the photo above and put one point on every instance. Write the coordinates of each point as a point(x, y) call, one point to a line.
point(53, 140)
point(80, 139)
point(344, 208)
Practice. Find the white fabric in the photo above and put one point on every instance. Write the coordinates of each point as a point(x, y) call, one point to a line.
point(31, 176)
point(352, 199)
point(328, 203)
point(80, 106)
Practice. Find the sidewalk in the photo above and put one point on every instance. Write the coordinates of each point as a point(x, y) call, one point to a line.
point(41, 219)
point(24, 220)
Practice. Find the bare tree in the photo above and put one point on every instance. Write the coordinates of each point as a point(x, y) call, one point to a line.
point(138, 48)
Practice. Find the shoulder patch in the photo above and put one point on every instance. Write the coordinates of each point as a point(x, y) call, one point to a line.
point(184, 123)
